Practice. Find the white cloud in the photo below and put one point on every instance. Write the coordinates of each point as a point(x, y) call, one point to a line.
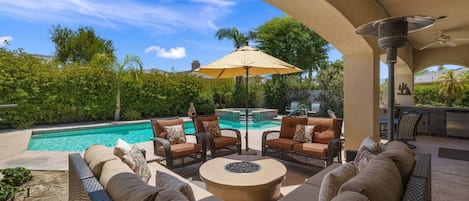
point(4, 40)
point(216, 2)
point(160, 16)
point(173, 53)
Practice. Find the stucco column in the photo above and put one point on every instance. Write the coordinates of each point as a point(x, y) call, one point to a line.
point(404, 85)
point(361, 98)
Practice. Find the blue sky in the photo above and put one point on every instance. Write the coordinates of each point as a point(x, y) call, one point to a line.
point(165, 34)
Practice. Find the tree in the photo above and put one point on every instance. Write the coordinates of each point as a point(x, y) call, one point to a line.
point(451, 86)
point(291, 41)
point(79, 46)
point(134, 65)
point(331, 84)
point(233, 34)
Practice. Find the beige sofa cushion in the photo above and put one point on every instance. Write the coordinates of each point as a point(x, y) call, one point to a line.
point(167, 181)
point(403, 157)
point(96, 155)
point(380, 180)
point(93, 151)
point(350, 196)
point(126, 186)
point(199, 193)
point(112, 168)
point(334, 179)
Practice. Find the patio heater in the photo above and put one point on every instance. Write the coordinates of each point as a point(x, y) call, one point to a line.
point(392, 34)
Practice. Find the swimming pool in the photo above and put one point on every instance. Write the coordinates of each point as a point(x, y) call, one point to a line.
point(79, 139)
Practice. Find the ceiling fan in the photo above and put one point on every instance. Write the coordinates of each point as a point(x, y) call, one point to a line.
point(443, 39)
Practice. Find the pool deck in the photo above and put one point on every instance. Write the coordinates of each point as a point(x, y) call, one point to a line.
point(449, 177)
point(14, 144)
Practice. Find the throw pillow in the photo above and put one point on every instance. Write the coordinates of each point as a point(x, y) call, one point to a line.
point(136, 161)
point(167, 181)
point(212, 128)
point(371, 145)
point(332, 181)
point(121, 148)
point(175, 134)
point(363, 158)
point(304, 133)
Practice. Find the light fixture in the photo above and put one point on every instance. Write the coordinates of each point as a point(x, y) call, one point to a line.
point(392, 34)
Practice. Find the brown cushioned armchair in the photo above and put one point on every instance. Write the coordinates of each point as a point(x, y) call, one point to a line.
point(325, 143)
point(177, 154)
point(228, 143)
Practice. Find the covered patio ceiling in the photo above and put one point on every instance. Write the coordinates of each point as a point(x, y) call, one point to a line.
point(336, 21)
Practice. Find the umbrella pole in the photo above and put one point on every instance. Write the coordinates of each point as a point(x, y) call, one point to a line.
point(247, 107)
point(247, 151)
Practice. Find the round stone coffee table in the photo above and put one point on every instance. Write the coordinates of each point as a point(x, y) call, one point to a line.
point(233, 180)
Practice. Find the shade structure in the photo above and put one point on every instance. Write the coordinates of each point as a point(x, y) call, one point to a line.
point(247, 61)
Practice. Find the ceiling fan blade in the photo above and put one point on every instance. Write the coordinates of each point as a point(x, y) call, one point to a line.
point(428, 45)
point(460, 39)
point(451, 43)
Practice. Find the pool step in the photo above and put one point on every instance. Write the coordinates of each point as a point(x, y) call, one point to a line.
point(243, 118)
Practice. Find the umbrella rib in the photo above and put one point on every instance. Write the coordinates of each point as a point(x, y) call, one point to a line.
point(277, 72)
point(221, 73)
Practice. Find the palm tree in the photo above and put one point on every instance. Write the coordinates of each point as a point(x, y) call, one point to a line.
point(135, 66)
point(233, 34)
point(451, 86)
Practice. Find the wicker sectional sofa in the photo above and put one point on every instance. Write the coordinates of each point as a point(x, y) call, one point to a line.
point(375, 181)
point(325, 144)
point(84, 185)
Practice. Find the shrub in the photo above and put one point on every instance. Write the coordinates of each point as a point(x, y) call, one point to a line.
point(16, 176)
point(7, 192)
point(132, 115)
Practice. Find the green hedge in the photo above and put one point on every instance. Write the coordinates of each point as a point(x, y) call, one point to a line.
point(49, 93)
point(427, 95)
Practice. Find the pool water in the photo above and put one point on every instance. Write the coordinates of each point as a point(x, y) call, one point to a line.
point(79, 139)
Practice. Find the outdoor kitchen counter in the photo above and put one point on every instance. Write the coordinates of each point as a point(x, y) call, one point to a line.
point(442, 121)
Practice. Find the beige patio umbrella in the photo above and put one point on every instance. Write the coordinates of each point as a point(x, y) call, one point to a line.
point(247, 61)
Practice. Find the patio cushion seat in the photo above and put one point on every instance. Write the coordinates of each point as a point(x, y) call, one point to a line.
point(289, 126)
point(183, 149)
point(282, 143)
point(315, 149)
point(158, 126)
point(224, 141)
point(324, 129)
